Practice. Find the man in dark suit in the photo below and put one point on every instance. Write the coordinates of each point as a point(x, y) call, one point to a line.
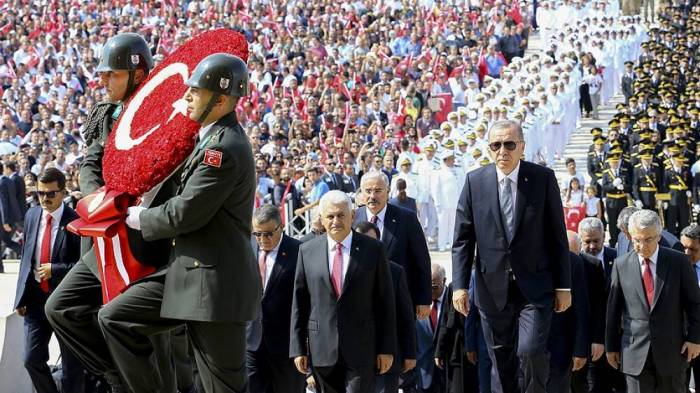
point(523, 273)
point(343, 323)
point(332, 179)
point(598, 260)
point(72, 308)
point(405, 360)
point(449, 349)
point(690, 237)
point(475, 345)
point(429, 378)
point(569, 337)
point(20, 188)
point(653, 295)
point(402, 236)
point(267, 358)
point(209, 220)
point(350, 180)
point(402, 200)
point(10, 211)
point(49, 252)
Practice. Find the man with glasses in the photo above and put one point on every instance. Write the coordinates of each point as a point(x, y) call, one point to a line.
point(50, 251)
point(267, 338)
point(513, 210)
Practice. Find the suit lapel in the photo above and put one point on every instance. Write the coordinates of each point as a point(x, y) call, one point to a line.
point(60, 235)
point(521, 198)
point(491, 188)
point(353, 261)
point(390, 224)
point(277, 267)
point(33, 233)
point(322, 255)
point(661, 274)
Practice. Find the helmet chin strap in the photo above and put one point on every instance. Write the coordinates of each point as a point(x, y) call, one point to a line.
point(130, 85)
point(209, 107)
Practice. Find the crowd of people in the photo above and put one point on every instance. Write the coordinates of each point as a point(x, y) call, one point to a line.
point(374, 105)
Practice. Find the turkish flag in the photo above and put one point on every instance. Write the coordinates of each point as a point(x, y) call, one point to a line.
point(441, 104)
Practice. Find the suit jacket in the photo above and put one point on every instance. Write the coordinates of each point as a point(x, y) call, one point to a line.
point(450, 337)
point(660, 329)
point(569, 333)
point(9, 206)
point(20, 191)
point(212, 275)
point(405, 316)
point(597, 295)
point(333, 180)
point(64, 253)
point(539, 258)
point(350, 183)
point(361, 323)
point(408, 204)
point(405, 244)
point(427, 340)
point(272, 324)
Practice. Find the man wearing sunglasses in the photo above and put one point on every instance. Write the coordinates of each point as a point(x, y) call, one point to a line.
point(267, 338)
point(512, 209)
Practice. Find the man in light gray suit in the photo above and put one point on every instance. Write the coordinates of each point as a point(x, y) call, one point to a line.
point(654, 293)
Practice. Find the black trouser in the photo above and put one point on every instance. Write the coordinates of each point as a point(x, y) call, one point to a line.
point(342, 378)
point(130, 319)
point(559, 378)
point(603, 378)
point(37, 334)
point(72, 311)
point(182, 362)
point(650, 381)
point(516, 338)
point(613, 207)
point(585, 100)
point(273, 373)
point(677, 217)
point(695, 367)
point(388, 382)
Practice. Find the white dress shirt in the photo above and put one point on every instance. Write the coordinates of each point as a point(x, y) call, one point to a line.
point(270, 259)
point(380, 219)
point(347, 243)
point(56, 220)
point(652, 265)
point(513, 176)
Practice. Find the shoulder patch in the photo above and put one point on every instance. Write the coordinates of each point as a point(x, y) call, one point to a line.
point(212, 158)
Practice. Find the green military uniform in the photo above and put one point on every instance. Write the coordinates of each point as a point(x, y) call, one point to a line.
point(72, 308)
point(212, 283)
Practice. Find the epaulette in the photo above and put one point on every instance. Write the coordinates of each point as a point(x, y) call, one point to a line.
point(638, 165)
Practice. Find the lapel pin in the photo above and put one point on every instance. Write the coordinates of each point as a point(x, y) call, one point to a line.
point(357, 248)
point(284, 254)
point(526, 179)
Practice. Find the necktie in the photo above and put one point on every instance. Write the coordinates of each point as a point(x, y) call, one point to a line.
point(507, 207)
point(434, 315)
point(337, 274)
point(45, 256)
point(262, 265)
point(373, 220)
point(648, 281)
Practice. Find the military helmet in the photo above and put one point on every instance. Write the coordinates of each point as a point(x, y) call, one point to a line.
point(127, 51)
point(221, 73)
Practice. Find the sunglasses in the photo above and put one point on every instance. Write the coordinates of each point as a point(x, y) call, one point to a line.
point(509, 145)
point(48, 194)
point(267, 235)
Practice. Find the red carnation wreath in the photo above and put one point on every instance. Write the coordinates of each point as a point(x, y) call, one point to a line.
point(154, 134)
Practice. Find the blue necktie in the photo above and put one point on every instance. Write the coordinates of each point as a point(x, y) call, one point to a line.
point(507, 207)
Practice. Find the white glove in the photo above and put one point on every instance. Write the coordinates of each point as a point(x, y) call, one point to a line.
point(620, 187)
point(665, 205)
point(133, 218)
point(639, 204)
point(688, 194)
point(617, 182)
point(600, 182)
point(696, 208)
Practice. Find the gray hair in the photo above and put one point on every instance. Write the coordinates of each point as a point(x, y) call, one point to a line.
point(590, 224)
point(267, 213)
point(692, 232)
point(507, 125)
point(375, 175)
point(335, 197)
point(437, 269)
point(624, 217)
point(643, 219)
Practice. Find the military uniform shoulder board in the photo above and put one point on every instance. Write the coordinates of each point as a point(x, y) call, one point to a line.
point(638, 165)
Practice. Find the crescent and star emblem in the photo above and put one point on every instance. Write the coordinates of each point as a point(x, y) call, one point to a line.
point(123, 139)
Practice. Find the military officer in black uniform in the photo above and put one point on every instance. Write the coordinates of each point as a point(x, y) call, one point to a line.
point(72, 308)
point(677, 182)
point(616, 186)
point(646, 181)
point(212, 282)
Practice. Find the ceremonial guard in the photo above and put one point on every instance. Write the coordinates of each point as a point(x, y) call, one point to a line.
point(616, 185)
point(212, 282)
point(677, 180)
point(645, 181)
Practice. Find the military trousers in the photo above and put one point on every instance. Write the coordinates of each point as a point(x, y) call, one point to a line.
point(72, 311)
point(128, 321)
